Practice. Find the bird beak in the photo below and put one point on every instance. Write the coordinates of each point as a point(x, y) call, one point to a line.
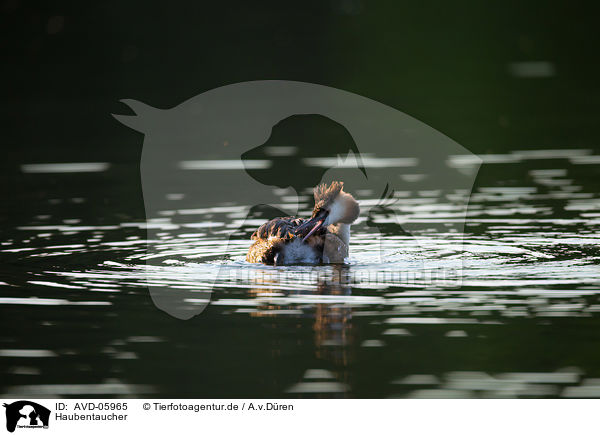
point(314, 224)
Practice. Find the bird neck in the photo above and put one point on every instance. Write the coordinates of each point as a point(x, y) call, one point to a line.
point(341, 230)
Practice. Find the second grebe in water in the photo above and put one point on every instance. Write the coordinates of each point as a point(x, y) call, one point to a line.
point(324, 238)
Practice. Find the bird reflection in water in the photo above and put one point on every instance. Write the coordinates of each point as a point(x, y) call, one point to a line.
point(332, 324)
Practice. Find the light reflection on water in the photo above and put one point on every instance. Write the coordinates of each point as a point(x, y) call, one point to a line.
point(515, 322)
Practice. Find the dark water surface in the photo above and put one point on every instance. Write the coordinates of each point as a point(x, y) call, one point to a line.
point(524, 321)
point(516, 84)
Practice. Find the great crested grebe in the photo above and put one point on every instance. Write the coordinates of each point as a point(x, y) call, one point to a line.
point(324, 238)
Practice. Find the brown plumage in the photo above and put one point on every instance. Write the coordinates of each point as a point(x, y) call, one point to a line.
point(325, 194)
point(322, 238)
point(270, 238)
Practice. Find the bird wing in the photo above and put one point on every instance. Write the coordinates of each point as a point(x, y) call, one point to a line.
point(282, 228)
